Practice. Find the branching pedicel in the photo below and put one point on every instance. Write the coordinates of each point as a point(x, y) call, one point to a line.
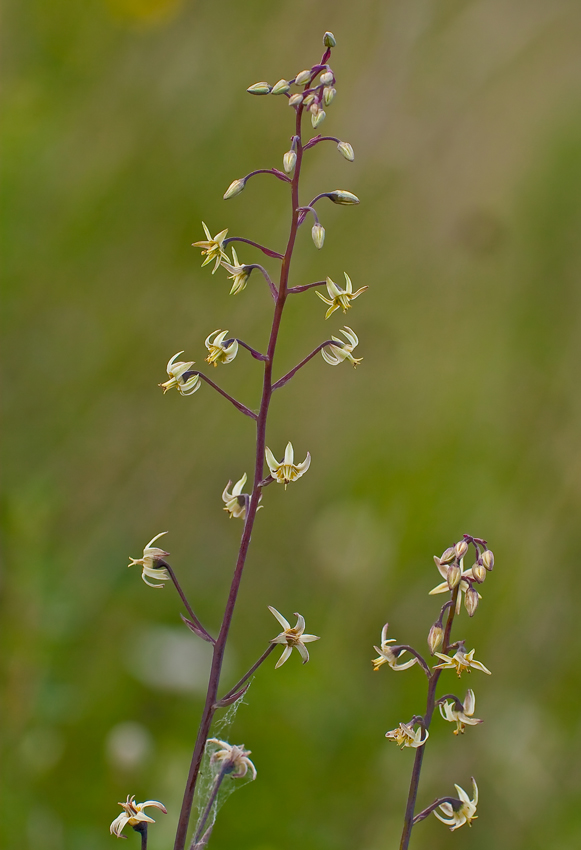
point(459, 584)
point(231, 762)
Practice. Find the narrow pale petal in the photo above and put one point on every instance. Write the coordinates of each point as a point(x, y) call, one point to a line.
point(153, 539)
point(289, 454)
point(303, 652)
point(284, 622)
point(272, 462)
point(284, 657)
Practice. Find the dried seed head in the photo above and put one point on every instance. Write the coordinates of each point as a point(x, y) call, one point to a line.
point(461, 548)
point(318, 234)
point(471, 600)
point(346, 150)
point(454, 575)
point(289, 161)
point(488, 559)
point(329, 40)
point(448, 555)
point(479, 572)
point(234, 188)
point(303, 77)
point(259, 88)
point(281, 87)
point(435, 636)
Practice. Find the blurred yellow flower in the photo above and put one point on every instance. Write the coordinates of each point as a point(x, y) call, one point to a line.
point(239, 274)
point(388, 656)
point(176, 379)
point(343, 351)
point(460, 662)
point(235, 503)
point(456, 815)
point(234, 758)
point(460, 714)
point(405, 736)
point(151, 555)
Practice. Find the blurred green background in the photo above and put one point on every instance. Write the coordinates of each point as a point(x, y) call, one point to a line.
point(124, 122)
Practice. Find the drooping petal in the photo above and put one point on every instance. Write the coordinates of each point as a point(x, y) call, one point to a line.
point(284, 657)
point(282, 620)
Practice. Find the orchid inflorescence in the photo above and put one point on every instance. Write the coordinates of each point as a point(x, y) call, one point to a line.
point(460, 584)
point(309, 93)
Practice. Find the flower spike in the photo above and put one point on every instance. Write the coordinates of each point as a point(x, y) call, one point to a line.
point(287, 470)
point(340, 298)
point(344, 350)
point(293, 638)
point(213, 248)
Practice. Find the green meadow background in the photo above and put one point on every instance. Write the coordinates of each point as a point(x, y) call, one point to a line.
point(124, 122)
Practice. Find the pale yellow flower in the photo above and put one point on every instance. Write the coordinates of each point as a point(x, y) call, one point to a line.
point(234, 502)
point(294, 638)
point(220, 353)
point(460, 661)
point(388, 656)
point(133, 815)
point(461, 715)
point(151, 555)
point(405, 736)
point(213, 248)
point(456, 815)
point(287, 470)
point(176, 377)
point(239, 273)
point(344, 351)
point(340, 297)
point(233, 757)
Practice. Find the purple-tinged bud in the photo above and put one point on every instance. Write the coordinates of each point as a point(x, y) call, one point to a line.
point(471, 600)
point(309, 99)
point(479, 572)
point(448, 555)
point(289, 161)
point(318, 118)
point(329, 95)
point(329, 40)
point(461, 548)
point(303, 78)
point(234, 188)
point(454, 575)
point(281, 87)
point(342, 196)
point(259, 88)
point(488, 559)
point(346, 150)
point(295, 100)
point(435, 637)
point(318, 234)
point(327, 78)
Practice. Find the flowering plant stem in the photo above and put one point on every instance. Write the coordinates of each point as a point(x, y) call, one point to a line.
point(212, 702)
point(409, 819)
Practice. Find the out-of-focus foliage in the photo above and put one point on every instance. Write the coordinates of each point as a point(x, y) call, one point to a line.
point(124, 122)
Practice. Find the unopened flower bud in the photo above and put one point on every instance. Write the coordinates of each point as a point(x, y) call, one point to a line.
point(454, 575)
point(328, 95)
point(342, 196)
point(327, 78)
point(303, 77)
point(289, 161)
point(318, 118)
point(281, 87)
point(259, 88)
point(309, 99)
point(461, 548)
point(329, 40)
point(295, 100)
point(479, 572)
point(435, 636)
point(234, 189)
point(448, 555)
point(346, 150)
point(471, 600)
point(318, 234)
point(488, 559)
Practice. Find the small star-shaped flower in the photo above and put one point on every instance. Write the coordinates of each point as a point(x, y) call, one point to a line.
point(176, 377)
point(239, 273)
point(133, 815)
point(344, 350)
point(464, 811)
point(460, 714)
point(218, 352)
point(287, 470)
point(460, 661)
point(293, 638)
point(405, 736)
point(340, 298)
point(151, 556)
point(213, 248)
point(388, 656)
point(233, 758)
